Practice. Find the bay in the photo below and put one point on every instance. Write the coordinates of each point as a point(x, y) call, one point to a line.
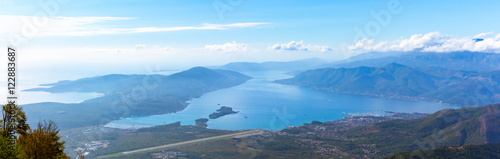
point(263, 104)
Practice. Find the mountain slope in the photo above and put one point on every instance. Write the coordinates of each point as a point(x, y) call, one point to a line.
point(465, 126)
point(400, 81)
point(453, 152)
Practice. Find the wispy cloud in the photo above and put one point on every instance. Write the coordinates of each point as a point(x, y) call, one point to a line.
point(299, 46)
point(228, 47)
point(87, 26)
point(139, 48)
point(205, 26)
point(432, 42)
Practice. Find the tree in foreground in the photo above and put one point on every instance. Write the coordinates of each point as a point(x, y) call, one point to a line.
point(7, 152)
point(43, 142)
point(18, 126)
point(40, 143)
point(19, 120)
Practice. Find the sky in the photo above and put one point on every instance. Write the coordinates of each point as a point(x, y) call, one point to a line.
point(94, 37)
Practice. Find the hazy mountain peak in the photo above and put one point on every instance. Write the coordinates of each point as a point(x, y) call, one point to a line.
point(395, 65)
point(460, 60)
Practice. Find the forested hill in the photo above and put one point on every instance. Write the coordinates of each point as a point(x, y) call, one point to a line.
point(130, 95)
point(449, 127)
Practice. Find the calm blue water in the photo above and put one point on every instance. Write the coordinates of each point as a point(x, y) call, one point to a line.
point(33, 79)
point(67, 97)
point(266, 105)
point(29, 97)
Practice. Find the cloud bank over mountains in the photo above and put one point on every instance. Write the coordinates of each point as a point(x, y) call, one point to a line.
point(228, 47)
point(299, 46)
point(432, 42)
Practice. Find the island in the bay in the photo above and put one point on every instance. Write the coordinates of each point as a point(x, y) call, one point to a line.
point(224, 110)
point(201, 122)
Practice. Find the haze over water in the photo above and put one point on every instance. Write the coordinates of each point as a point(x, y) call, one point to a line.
point(266, 105)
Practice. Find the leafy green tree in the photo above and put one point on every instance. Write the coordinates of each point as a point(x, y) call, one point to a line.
point(43, 142)
point(7, 152)
point(20, 127)
point(19, 118)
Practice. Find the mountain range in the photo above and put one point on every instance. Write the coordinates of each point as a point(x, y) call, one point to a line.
point(298, 65)
point(459, 78)
point(399, 81)
point(467, 61)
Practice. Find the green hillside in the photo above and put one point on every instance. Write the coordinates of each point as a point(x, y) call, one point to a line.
point(453, 152)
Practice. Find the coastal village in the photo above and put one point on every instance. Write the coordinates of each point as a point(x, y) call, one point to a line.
point(315, 133)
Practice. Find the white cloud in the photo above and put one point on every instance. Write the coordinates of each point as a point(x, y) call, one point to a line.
point(483, 35)
point(85, 26)
point(290, 46)
point(431, 42)
point(299, 46)
point(140, 47)
point(205, 26)
point(228, 47)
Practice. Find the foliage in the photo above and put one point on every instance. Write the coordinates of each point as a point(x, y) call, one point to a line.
point(43, 142)
point(19, 119)
point(6, 151)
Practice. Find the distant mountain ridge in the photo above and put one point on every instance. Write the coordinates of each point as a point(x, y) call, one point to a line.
point(400, 81)
point(115, 82)
point(467, 61)
point(100, 84)
point(269, 66)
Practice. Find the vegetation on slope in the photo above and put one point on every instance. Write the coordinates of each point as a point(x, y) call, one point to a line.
point(453, 152)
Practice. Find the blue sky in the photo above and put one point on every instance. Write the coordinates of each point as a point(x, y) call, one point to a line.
point(146, 31)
